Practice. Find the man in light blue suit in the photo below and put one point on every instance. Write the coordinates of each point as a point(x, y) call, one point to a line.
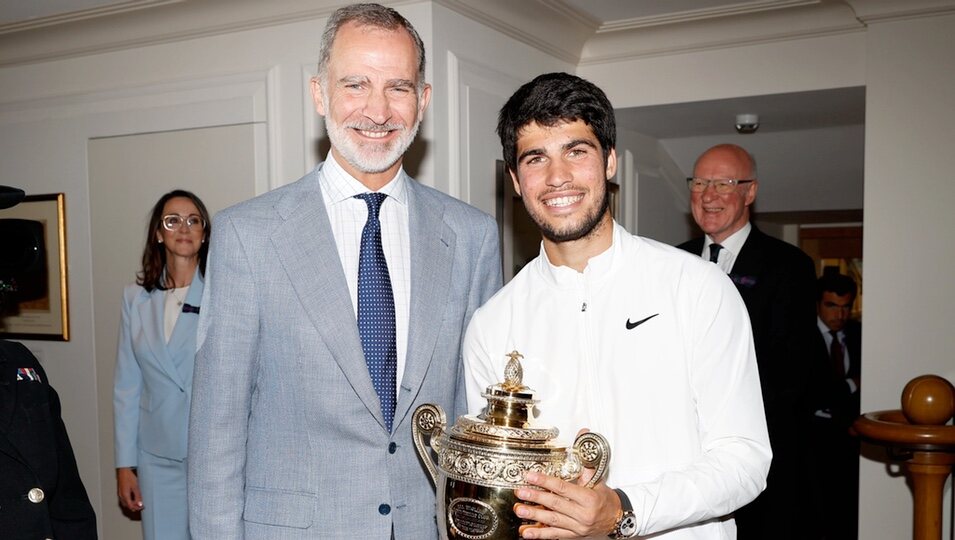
point(306, 375)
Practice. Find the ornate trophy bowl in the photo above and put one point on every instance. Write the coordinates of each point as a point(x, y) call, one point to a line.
point(482, 459)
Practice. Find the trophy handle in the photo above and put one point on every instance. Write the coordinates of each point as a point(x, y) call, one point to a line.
point(428, 419)
point(594, 452)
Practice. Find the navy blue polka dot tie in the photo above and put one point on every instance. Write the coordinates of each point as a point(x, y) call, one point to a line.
point(376, 309)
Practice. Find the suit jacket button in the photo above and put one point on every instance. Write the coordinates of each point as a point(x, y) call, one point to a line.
point(392, 447)
point(36, 495)
point(384, 509)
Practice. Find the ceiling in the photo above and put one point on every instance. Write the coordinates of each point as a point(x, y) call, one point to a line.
point(796, 133)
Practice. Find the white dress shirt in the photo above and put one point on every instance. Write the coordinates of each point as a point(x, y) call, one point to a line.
point(651, 347)
point(731, 247)
point(348, 216)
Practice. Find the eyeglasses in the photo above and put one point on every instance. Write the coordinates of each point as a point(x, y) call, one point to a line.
point(699, 185)
point(174, 222)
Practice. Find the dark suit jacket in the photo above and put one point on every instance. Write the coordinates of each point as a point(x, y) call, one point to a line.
point(35, 452)
point(777, 282)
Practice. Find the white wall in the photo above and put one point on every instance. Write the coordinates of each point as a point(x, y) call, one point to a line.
point(474, 84)
point(653, 191)
point(48, 112)
point(909, 70)
point(909, 196)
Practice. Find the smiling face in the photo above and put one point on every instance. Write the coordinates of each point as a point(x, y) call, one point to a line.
point(562, 179)
point(370, 100)
point(719, 216)
point(182, 242)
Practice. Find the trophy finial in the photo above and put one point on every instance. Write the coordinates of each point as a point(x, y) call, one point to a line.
point(513, 372)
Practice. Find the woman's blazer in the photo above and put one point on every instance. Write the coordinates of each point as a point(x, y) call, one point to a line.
point(152, 386)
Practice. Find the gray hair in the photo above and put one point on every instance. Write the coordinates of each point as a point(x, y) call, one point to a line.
point(374, 15)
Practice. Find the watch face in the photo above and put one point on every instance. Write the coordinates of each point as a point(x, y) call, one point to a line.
point(628, 526)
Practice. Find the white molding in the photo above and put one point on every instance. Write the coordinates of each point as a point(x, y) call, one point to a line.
point(869, 11)
point(218, 94)
point(268, 173)
point(547, 25)
point(741, 8)
point(469, 74)
point(164, 23)
point(454, 130)
point(83, 14)
point(241, 98)
point(697, 35)
point(312, 123)
point(551, 26)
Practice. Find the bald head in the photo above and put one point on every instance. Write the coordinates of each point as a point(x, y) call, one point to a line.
point(729, 153)
point(720, 215)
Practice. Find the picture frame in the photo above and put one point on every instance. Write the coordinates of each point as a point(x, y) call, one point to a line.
point(44, 316)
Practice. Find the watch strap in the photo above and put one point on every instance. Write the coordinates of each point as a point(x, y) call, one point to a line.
point(624, 500)
point(626, 525)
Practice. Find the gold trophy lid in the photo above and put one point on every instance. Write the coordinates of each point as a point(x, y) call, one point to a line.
point(509, 412)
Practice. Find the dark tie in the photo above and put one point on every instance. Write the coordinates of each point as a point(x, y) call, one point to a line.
point(715, 252)
point(376, 310)
point(837, 356)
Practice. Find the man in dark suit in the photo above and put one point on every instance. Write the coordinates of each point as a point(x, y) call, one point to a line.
point(837, 381)
point(776, 281)
point(41, 494)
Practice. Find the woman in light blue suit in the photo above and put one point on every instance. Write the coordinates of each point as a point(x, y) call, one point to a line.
point(152, 386)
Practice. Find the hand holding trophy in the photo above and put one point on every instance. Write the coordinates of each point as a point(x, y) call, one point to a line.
point(483, 459)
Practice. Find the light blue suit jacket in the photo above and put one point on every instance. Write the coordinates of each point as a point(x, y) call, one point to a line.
point(152, 385)
point(287, 438)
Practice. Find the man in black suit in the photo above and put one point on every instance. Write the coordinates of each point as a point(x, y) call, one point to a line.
point(839, 349)
point(777, 282)
point(41, 494)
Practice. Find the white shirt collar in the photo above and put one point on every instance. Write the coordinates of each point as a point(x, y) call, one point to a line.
point(733, 243)
point(342, 186)
point(598, 266)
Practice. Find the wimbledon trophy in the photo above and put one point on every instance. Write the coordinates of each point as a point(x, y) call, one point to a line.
point(483, 459)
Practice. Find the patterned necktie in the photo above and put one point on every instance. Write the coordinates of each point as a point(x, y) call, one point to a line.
point(715, 253)
point(376, 310)
point(837, 356)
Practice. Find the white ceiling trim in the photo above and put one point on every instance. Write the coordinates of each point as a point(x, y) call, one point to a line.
point(702, 14)
point(882, 10)
point(754, 28)
point(83, 14)
point(550, 26)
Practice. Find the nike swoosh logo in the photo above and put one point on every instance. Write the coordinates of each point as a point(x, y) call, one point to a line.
point(632, 325)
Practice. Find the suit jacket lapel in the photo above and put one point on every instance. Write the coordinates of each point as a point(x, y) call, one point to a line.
point(308, 253)
point(152, 313)
point(432, 251)
point(180, 343)
point(749, 259)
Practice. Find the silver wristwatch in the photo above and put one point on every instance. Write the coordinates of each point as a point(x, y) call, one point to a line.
point(626, 526)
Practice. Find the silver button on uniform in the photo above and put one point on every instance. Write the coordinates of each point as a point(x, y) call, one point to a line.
point(36, 495)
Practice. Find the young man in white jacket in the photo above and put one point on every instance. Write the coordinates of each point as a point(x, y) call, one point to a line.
point(639, 341)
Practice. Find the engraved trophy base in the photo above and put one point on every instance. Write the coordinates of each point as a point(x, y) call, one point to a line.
point(468, 511)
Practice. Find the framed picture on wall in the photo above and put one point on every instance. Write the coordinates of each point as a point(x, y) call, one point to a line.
point(33, 269)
